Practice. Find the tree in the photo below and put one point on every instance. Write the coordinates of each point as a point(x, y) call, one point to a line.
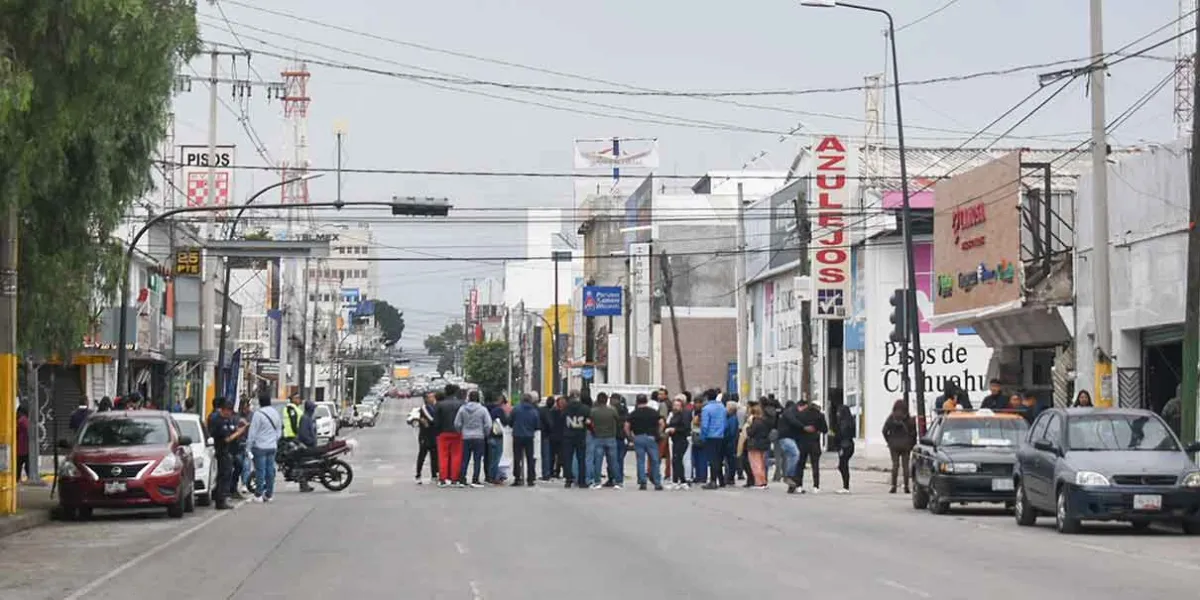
point(85, 89)
point(446, 362)
point(390, 321)
point(486, 365)
point(367, 376)
point(450, 338)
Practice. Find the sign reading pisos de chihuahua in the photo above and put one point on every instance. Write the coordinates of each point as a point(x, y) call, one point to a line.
point(830, 251)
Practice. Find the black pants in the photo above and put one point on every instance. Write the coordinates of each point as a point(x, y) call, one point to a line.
point(238, 464)
point(714, 451)
point(810, 452)
point(428, 449)
point(556, 451)
point(224, 477)
point(574, 459)
point(844, 453)
point(523, 457)
point(679, 448)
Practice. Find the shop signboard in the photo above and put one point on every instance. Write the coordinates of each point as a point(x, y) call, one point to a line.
point(830, 248)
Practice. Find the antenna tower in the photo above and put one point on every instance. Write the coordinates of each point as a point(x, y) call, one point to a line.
point(295, 161)
point(873, 140)
point(1185, 68)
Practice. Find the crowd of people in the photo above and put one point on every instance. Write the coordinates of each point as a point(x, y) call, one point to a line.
point(708, 440)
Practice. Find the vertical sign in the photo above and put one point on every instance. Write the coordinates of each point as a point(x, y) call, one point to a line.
point(194, 162)
point(473, 316)
point(830, 253)
point(641, 298)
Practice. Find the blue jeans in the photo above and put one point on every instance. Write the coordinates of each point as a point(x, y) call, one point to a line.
point(643, 446)
point(622, 450)
point(246, 462)
point(495, 450)
point(471, 448)
point(791, 456)
point(547, 456)
point(590, 446)
point(604, 449)
point(264, 471)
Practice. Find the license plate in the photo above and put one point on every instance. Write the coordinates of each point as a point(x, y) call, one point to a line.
point(1002, 485)
point(1147, 502)
point(114, 487)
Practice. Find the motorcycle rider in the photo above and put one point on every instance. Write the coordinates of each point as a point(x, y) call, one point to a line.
point(307, 436)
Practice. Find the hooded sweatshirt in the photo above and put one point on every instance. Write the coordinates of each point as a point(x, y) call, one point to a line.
point(444, 414)
point(474, 421)
point(308, 425)
point(525, 420)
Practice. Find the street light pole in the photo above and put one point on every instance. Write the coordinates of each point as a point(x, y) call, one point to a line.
point(914, 330)
point(224, 332)
point(557, 256)
point(430, 207)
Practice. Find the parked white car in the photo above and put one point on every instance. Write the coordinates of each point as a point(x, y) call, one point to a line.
point(203, 455)
point(326, 421)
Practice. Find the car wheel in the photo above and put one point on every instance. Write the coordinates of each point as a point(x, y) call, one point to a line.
point(1191, 527)
point(1024, 512)
point(1140, 524)
point(83, 513)
point(936, 505)
point(1064, 518)
point(204, 499)
point(920, 498)
point(175, 511)
point(68, 513)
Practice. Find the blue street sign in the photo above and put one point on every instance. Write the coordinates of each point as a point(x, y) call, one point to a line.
point(731, 380)
point(587, 372)
point(601, 301)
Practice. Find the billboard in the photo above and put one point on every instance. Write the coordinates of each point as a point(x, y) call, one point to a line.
point(194, 161)
point(637, 213)
point(785, 232)
point(977, 237)
point(918, 200)
point(640, 292)
point(616, 154)
point(602, 301)
point(830, 247)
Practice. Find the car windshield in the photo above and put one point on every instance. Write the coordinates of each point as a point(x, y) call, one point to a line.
point(1101, 432)
point(191, 429)
point(982, 433)
point(124, 431)
point(323, 412)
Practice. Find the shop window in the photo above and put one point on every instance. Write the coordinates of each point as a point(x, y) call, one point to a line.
point(1038, 368)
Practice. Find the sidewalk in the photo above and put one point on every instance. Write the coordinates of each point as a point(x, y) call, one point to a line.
point(35, 507)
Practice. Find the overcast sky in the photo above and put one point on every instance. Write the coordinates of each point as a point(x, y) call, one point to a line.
point(396, 123)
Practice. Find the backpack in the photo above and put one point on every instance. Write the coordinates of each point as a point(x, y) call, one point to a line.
point(497, 428)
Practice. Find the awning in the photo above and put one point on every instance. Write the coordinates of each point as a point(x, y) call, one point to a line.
point(1012, 324)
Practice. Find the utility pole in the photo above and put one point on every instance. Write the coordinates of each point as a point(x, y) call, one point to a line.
point(316, 318)
point(302, 359)
point(1101, 294)
point(589, 348)
point(1191, 336)
point(804, 233)
point(9, 233)
point(743, 326)
point(508, 351)
point(665, 264)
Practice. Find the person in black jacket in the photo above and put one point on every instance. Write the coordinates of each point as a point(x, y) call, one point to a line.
point(812, 425)
point(679, 430)
point(758, 443)
point(996, 398)
point(574, 442)
point(618, 401)
point(427, 438)
point(843, 440)
point(546, 423)
point(449, 440)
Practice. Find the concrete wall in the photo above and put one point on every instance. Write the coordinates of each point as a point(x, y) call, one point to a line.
point(1148, 216)
point(708, 343)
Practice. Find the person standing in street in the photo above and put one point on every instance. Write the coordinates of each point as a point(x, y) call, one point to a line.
point(679, 430)
point(574, 442)
point(23, 465)
point(730, 446)
point(473, 422)
point(645, 426)
point(79, 416)
point(843, 440)
point(241, 453)
point(223, 427)
point(900, 433)
point(498, 410)
point(618, 403)
point(449, 440)
point(606, 429)
point(996, 399)
point(308, 440)
point(712, 431)
point(525, 421)
point(813, 426)
point(266, 427)
point(427, 438)
point(758, 443)
point(293, 411)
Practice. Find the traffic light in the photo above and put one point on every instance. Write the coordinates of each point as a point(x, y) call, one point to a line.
point(420, 207)
point(899, 317)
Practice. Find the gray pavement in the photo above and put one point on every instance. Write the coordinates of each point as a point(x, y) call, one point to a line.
point(387, 538)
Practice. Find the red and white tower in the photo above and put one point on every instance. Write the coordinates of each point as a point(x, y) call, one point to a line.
point(295, 160)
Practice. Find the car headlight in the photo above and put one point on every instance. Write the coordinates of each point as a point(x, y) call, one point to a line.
point(1192, 480)
point(199, 462)
point(951, 467)
point(68, 470)
point(168, 465)
point(1090, 478)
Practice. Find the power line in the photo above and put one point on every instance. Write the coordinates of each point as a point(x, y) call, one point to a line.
point(928, 15)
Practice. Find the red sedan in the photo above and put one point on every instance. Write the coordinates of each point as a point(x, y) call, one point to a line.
point(127, 459)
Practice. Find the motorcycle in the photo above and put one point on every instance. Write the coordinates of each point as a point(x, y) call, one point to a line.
point(322, 463)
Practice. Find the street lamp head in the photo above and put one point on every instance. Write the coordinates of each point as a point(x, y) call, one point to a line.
point(819, 3)
point(308, 176)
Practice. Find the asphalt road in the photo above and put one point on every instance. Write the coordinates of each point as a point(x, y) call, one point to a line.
point(388, 538)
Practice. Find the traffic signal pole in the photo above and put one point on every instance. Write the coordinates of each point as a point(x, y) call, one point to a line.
point(899, 335)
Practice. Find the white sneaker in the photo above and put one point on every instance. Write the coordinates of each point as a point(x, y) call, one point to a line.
point(595, 486)
point(420, 481)
point(843, 491)
point(257, 499)
point(685, 486)
point(616, 486)
point(816, 490)
point(475, 486)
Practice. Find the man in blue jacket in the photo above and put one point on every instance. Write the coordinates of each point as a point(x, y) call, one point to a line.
point(525, 421)
point(712, 432)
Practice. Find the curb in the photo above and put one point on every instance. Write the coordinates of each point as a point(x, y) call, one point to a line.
point(24, 520)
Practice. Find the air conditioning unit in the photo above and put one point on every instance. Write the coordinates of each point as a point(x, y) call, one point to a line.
point(803, 288)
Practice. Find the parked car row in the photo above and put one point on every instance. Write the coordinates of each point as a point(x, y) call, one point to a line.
point(1075, 464)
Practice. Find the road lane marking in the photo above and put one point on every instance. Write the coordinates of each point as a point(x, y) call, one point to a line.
point(383, 481)
point(475, 593)
point(135, 561)
point(905, 588)
point(461, 549)
point(386, 467)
